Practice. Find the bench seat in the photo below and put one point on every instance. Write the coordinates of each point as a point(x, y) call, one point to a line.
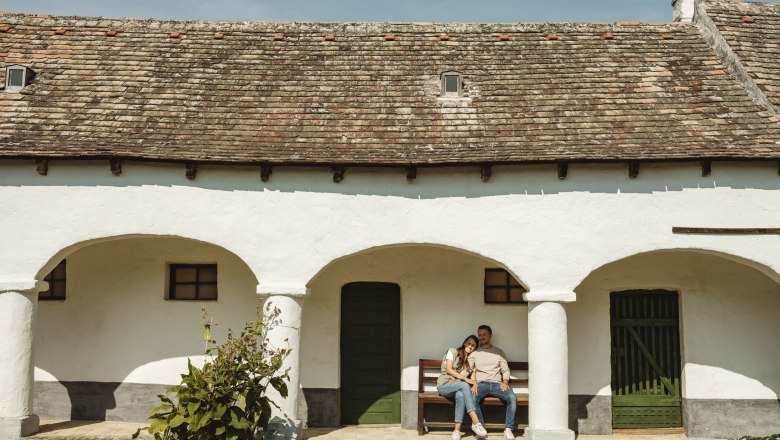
point(429, 370)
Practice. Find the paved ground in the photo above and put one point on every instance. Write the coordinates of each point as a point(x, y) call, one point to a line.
point(77, 430)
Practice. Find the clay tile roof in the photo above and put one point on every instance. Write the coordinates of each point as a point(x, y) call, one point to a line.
point(753, 32)
point(358, 100)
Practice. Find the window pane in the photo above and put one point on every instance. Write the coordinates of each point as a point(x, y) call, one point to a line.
point(493, 278)
point(495, 294)
point(185, 275)
point(451, 84)
point(514, 282)
point(16, 77)
point(207, 274)
point(59, 271)
point(185, 291)
point(516, 294)
point(208, 291)
point(58, 289)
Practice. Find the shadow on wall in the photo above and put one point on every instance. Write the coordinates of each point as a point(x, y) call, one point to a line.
point(90, 400)
point(115, 343)
point(431, 183)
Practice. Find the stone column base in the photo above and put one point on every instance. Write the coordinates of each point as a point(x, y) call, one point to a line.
point(549, 434)
point(17, 427)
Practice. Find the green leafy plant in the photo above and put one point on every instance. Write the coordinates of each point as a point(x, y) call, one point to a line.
point(769, 437)
point(226, 399)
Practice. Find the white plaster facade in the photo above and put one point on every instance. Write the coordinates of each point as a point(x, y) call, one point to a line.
point(299, 237)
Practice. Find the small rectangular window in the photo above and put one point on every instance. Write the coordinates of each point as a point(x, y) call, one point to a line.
point(193, 282)
point(16, 78)
point(451, 84)
point(57, 284)
point(502, 288)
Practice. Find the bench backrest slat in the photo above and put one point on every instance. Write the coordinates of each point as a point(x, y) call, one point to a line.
point(429, 370)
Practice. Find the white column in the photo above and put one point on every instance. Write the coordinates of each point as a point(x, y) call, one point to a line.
point(286, 333)
point(548, 367)
point(17, 325)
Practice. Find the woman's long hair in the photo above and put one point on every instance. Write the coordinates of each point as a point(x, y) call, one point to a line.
point(461, 363)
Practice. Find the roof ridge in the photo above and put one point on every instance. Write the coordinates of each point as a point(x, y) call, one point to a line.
point(113, 21)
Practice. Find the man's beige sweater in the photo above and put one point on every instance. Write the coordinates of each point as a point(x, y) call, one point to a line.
point(490, 364)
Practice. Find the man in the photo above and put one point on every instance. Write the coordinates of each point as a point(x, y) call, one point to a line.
point(489, 362)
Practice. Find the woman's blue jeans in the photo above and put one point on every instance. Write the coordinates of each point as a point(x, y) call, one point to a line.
point(461, 391)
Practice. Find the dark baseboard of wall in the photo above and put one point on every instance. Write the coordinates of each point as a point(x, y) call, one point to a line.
point(323, 407)
point(590, 414)
point(126, 402)
point(715, 418)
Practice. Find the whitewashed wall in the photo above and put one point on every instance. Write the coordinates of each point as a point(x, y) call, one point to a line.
point(116, 326)
point(550, 232)
point(442, 302)
point(729, 324)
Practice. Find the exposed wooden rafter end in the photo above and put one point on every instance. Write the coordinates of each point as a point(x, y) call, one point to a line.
point(265, 172)
point(563, 170)
point(116, 166)
point(338, 173)
point(191, 170)
point(486, 172)
point(633, 169)
point(411, 173)
point(706, 167)
point(42, 166)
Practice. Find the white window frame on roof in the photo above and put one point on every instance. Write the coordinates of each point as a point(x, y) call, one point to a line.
point(27, 75)
point(450, 75)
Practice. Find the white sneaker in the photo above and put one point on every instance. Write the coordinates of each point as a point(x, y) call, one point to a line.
point(456, 435)
point(479, 430)
point(508, 435)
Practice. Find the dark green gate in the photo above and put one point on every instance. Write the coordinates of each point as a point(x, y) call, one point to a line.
point(370, 353)
point(645, 359)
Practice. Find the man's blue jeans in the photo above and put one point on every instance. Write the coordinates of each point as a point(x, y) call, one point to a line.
point(493, 389)
point(461, 391)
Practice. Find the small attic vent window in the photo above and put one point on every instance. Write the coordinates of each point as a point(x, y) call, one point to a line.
point(451, 84)
point(16, 77)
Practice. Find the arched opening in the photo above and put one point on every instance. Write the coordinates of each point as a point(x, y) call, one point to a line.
point(727, 327)
point(129, 321)
point(442, 300)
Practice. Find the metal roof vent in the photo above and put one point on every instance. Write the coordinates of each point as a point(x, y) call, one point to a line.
point(17, 77)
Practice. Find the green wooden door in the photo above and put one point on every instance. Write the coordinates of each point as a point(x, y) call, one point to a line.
point(370, 353)
point(645, 359)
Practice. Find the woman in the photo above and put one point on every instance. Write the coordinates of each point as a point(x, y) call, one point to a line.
point(455, 380)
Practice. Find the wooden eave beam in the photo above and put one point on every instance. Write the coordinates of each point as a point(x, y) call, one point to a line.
point(726, 231)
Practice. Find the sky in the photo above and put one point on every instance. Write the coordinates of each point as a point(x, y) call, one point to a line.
point(358, 10)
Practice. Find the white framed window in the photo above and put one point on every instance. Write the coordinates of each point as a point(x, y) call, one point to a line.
point(16, 77)
point(451, 84)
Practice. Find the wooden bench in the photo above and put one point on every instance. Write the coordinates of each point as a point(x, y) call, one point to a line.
point(427, 394)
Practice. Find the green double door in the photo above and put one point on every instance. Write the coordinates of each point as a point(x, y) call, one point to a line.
point(646, 363)
point(370, 353)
